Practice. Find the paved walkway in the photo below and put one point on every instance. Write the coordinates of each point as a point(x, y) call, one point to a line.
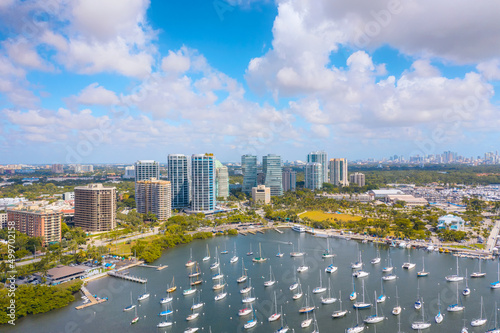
point(490, 244)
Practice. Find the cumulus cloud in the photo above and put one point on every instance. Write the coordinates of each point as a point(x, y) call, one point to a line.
point(94, 94)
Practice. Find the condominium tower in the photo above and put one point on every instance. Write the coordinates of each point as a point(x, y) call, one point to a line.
point(147, 169)
point(203, 182)
point(154, 196)
point(357, 178)
point(271, 166)
point(338, 172)
point(249, 169)
point(221, 180)
point(313, 176)
point(95, 207)
point(322, 158)
point(289, 180)
point(44, 223)
point(179, 175)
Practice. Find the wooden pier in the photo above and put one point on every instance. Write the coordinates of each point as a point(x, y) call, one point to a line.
point(91, 298)
point(127, 277)
point(278, 230)
point(158, 268)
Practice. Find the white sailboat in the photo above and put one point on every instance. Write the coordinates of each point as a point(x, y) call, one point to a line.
point(360, 274)
point(358, 327)
point(207, 257)
point(316, 328)
point(284, 328)
point(249, 298)
point(215, 264)
point(388, 268)
point(456, 307)
point(320, 289)
point(331, 268)
point(307, 307)
point(466, 291)
point(199, 304)
point(136, 318)
point(358, 264)
point(131, 306)
point(423, 272)
point(418, 302)
point(496, 328)
point(234, 258)
point(190, 262)
point(373, 319)
point(496, 285)
point(276, 315)
point(244, 312)
point(218, 276)
point(339, 313)
point(306, 322)
point(298, 253)
point(479, 274)
point(259, 259)
point(353, 295)
point(143, 296)
point(479, 321)
point(303, 267)
point(439, 317)
point(279, 254)
point(271, 280)
point(421, 324)
point(249, 253)
point(329, 299)
point(377, 259)
point(222, 294)
point(299, 292)
point(454, 277)
point(243, 276)
point(328, 253)
point(252, 322)
point(397, 309)
point(362, 304)
point(409, 265)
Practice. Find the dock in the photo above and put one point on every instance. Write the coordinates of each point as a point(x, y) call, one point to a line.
point(278, 230)
point(127, 277)
point(158, 268)
point(91, 298)
point(251, 232)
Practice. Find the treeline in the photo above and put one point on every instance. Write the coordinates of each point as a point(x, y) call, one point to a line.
point(37, 299)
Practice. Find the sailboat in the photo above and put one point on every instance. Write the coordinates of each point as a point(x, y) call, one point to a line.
point(466, 291)
point(218, 276)
point(196, 273)
point(439, 317)
point(244, 312)
point(259, 258)
point(363, 304)
point(409, 265)
point(192, 316)
point(249, 298)
point(316, 328)
point(303, 267)
point(495, 329)
point(456, 307)
point(422, 273)
point(299, 292)
point(360, 274)
point(131, 306)
point(145, 295)
point(215, 264)
point(294, 285)
point(191, 330)
point(252, 322)
point(339, 313)
point(320, 289)
point(397, 309)
point(496, 285)
point(418, 302)
point(167, 311)
point(377, 259)
point(373, 319)
point(198, 304)
point(234, 258)
point(190, 291)
point(306, 322)
point(421, 324)
point(328, 253)
point(283, 328)
point(298, 253)
point(166, 300)
point(479, 274)
point(218, 284)
point(222, 294)
point(454, 277)
point(164, 324)
point(329, 299)
point(382, 296)
point(136, 318)
point(249, 253)
point(279, 254)
point(276, 315)
point(207, 257)
point(243, 276)
point(388, 268)
point(464, 328)
point(331, 268)
point(271, 280)
point(358, 264)
point(353, 295)
point(225, 250)
point(190, 262)
point(172, 286)
point(307, 307)
point(480, 321)
point(358, 328)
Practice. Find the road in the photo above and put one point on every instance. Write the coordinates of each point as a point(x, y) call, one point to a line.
point(490, 244)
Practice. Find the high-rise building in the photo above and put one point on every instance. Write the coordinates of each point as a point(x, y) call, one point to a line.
point(147, 169)
point(221, 180)
point(57, 168)
point(271, 166)
point(357, 178)
point(313, 176)
point(322, 158)
point(95, 207)
point(289, 180)
point(249, 169)
point(44, 223)
point(179, 175)
point(261, 194)
point(154, 196)
point(88, 168)
point(203, 182)
point(129, 172)
point(338, 172)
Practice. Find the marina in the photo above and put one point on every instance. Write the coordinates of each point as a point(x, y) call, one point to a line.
point(224, 315)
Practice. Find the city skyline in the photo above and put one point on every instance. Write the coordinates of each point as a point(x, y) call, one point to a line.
point(89, 82)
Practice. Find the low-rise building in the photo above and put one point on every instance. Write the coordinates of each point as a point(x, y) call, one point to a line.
point(409, 200)
point(451, 222)
point(261, 194)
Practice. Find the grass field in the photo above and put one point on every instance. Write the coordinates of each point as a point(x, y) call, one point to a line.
point(317, 215)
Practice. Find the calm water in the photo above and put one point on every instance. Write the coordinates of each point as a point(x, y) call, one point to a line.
point(222, 316)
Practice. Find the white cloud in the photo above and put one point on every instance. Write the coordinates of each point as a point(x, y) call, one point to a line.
point(94, 94)
point(175, 62)
point(490, 69)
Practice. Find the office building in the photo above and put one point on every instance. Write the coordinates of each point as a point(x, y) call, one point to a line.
point(147, 169)
point(338, 172)
point(221, 180)
point(313, 176)
point(249, 169)
point(44, 223)
point(261, 194)
point(357, 178)
point(322, 158)
point(271, 166)
point(95, 207)
point(154, 196)
point(289, 180)
point(57, 168)
point(179, 175)
point(203, 183)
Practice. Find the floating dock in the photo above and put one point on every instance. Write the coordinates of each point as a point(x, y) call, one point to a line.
point(158, 268)
point(127, 277)
point(278, 230)
point(91, 298)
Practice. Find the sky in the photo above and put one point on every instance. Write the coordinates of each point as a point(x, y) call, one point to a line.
point(114, 81)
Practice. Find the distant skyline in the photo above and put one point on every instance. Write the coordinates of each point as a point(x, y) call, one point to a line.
point(112, 81)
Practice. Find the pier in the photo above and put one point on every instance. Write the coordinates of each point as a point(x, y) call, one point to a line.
point(127, 277)
point(278, 230)
point(91, 298)
point(158, 268)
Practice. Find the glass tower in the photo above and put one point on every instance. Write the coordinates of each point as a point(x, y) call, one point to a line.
point(179, 175)
point(249, 168)
point(271, 166)
point(320, 157)
point(313, 176)
point(203, 182)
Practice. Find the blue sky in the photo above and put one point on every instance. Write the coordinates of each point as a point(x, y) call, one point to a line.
point(120, 80)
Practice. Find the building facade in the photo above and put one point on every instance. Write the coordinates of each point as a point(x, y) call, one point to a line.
point(289, 180)
point(147, 169)
point(57, 168)
point(271, 166)
point(179, 175)
point(322, 158)
point(221, 180)
point(154, 196)
point(3, 220)
point(313, 176)
point(451, 222)
point(129, 172)
point(261, 194)
point(44, 223)
point(338, 172)
point(357, 178)
point(203, 183)
point(249, 169)
point(95, 207)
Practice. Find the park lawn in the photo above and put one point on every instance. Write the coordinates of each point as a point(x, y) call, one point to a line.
point(125, 249)
point(317, 215)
